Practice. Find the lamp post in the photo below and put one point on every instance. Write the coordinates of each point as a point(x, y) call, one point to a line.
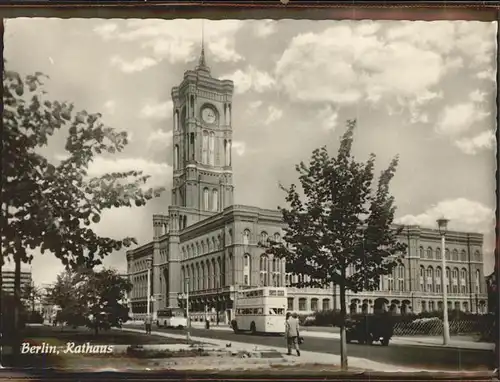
point(188, 335)
point(149, 263)
point(443, 225)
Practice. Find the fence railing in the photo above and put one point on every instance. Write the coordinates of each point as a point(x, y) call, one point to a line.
point(435, 327)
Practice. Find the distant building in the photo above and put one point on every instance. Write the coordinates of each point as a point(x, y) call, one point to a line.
point(8, 280)
point(209, 246)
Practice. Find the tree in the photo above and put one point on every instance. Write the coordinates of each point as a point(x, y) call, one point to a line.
point(51, 206)
point(340, 231)
point(30, 293)
point(90, 298)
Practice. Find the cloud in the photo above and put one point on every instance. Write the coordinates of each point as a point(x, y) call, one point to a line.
point(160, 137)
point(465, 215)
point(477, 96)
point(239, 147)
point(253, 106)
point(328, 117)
point(273, 114)
point(137, 65)
point(361, 61)
point(178, 41)
point(251, 79)
point(488, 74)
point(159, 172)
point(106, 30)
point(223, 50)
point(157, 111)
point(264, 28)
point(459, 118)
point(110, 106)
point(483, 141)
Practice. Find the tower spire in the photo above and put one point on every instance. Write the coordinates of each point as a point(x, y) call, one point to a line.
point(202, 64)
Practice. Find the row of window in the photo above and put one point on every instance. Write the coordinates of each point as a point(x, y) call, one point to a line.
point(453, 256)
point(208, 274)
point(207, 150)
point(210, 200)
point(263, 237)
point(314, 304)
point(270, 271)
point(202, 247)
point(259, 311)
point(430, 280)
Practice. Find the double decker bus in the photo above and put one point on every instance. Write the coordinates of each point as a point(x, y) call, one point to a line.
point(260, 310)
point(171, 318)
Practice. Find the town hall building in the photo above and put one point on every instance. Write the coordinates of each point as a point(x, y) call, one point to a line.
point(213, 248)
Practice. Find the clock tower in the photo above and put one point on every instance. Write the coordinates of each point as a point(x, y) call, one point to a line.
point(202, 140)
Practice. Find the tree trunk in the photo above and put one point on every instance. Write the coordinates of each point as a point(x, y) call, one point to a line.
point(343, 342)
point(17, 305)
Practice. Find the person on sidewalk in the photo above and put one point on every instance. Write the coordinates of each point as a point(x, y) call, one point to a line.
point(292, 333)
point(148, 323)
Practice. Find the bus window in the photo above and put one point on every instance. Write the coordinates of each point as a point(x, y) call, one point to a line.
point(272, 293)
point(281, 293)
point(276, 311)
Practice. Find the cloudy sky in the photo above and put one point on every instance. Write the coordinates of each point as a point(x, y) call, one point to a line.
point(424, 90)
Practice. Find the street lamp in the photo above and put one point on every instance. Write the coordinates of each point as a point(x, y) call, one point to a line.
point(149, 263)
point(443, 225)
point(188, 335)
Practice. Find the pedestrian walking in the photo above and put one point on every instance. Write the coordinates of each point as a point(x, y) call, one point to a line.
point(292, 333)
point(148, 323)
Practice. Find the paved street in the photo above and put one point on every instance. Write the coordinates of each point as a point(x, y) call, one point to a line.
point(437, 358)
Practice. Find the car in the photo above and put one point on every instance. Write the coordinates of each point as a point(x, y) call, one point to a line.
point(370, 329)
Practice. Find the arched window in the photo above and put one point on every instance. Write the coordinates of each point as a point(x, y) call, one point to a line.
point(463, 255)
point(263, 237)
point(302, 304)
point(448, 279)
point(390, 282)
point(176, 157)
point(430, 279)
point(211, 149)
point(455, 255)
point(401, 278)
point(314, 304)
point(204, 148)
point(176, 120)
point(422, 277)
point(227, 153)
point(437, 284)
point(246, 269)
point(429, 253)
point(477, 256)
point(478, 278)
point(263, 269)
point(438, 253)
point(463, 281)
point(246, 237)
point(326, 304)
point(276, 272)
point(421, 252)
point(455, 280)
point(206, 199)
point(215, 200)
point(277, 237)
point(447, 254)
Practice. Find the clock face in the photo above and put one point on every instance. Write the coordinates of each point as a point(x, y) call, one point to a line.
point(208, 115)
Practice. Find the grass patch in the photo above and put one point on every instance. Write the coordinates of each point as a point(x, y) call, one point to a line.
point(156, 354)
point(60, 336)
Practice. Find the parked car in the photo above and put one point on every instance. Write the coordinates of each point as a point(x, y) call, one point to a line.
point(369, 329)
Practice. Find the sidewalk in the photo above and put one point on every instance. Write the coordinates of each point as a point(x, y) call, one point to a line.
point(306, 357)
point(435, 341)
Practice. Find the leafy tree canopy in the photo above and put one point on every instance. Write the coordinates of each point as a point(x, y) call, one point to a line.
point(340, 230)
point(94, 299)
point(51, 206)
